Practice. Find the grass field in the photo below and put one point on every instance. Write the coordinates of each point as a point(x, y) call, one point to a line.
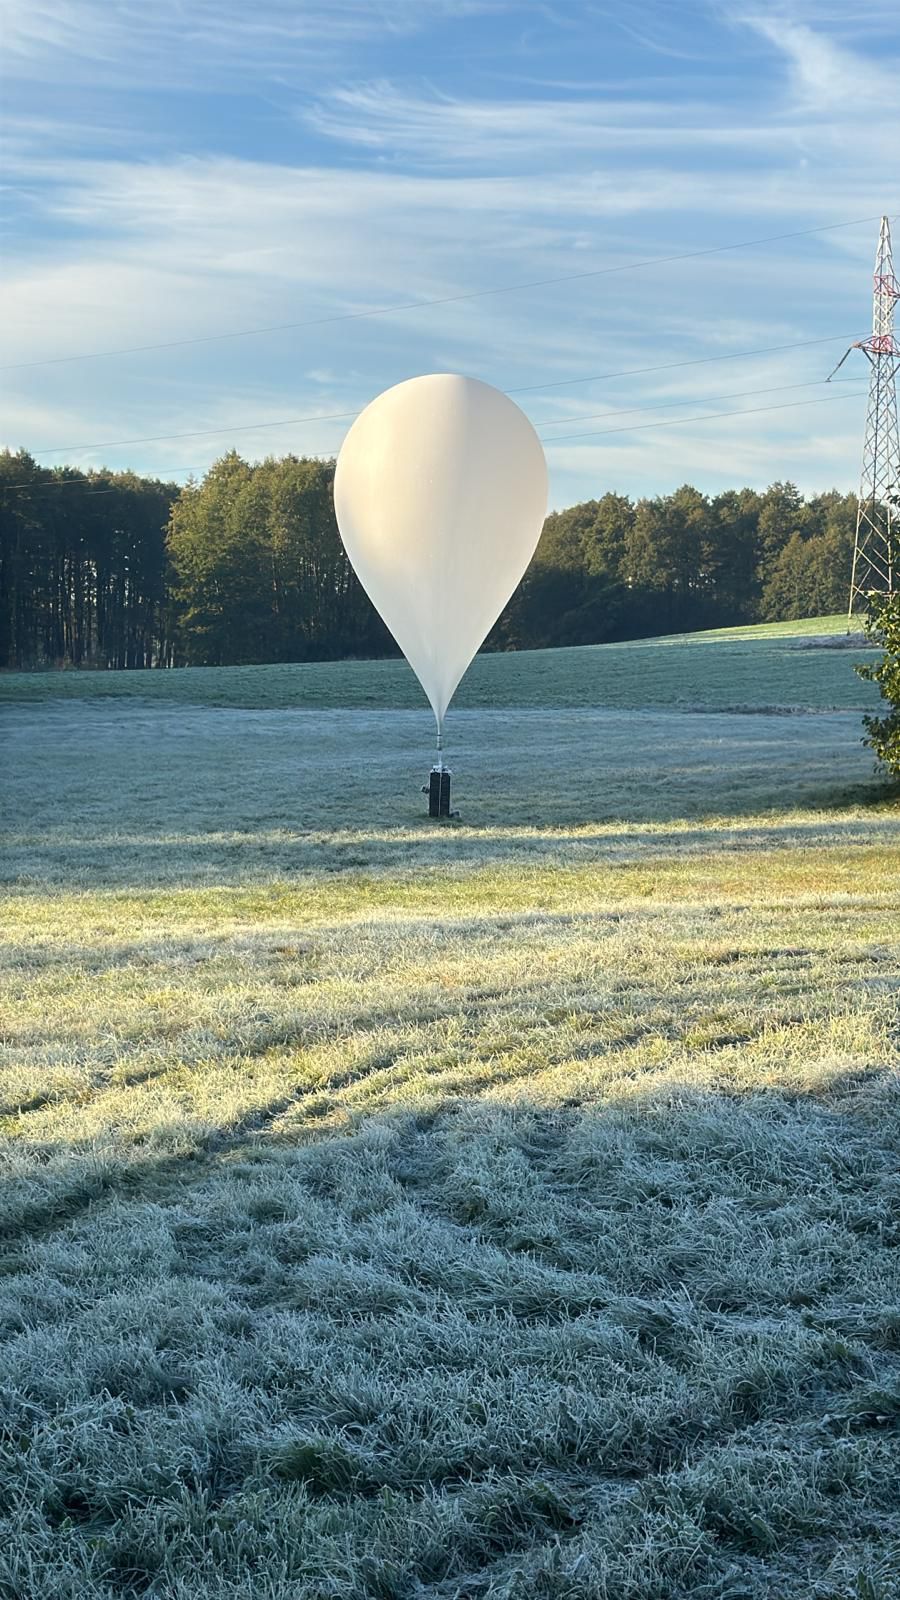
point(776, 665)
point(509, 1208)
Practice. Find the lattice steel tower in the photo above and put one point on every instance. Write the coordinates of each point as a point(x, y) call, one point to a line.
point(876, 557)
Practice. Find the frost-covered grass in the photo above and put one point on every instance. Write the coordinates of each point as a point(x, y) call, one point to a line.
point(129, 793)
point(506, 1208)
point(785, 664)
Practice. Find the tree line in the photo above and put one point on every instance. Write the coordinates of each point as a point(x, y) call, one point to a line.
point(84, 572)
point(111, 569)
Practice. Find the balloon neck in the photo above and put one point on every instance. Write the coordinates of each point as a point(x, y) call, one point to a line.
point(439, 760)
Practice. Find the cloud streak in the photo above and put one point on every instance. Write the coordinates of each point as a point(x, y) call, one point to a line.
point(441, 131)
point(124, 41)
point(266, 203)
point(824, 75)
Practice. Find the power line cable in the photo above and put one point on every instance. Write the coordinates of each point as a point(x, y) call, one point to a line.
point(689, 400)
point(442, 300)
point(672, 366)
point(202, 433)
point(85, 483)
point(342, 416)
point(709, 416)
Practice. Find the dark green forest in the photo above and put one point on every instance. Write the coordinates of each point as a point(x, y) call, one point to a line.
point(110, 569)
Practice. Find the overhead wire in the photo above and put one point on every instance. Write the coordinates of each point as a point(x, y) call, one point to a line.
point(639, 427)
point(672, 366)
point(199, 433)
point(342, 416)
point(441, 300)
point(85, 483)
point(709, 416)
point(521, 389)
point(689, 400)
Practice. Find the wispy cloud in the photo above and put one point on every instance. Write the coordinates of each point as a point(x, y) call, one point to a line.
point(438, 130)
point(250, 234)
point(719, 455)
point(824, 75)
point(298, 161)
point(170, 264)
point(127, 40)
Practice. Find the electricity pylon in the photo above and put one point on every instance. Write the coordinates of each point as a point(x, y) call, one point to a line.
point(876, 558)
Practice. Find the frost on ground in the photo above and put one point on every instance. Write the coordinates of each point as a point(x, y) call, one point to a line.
point(113, 792)
point(504, 1209)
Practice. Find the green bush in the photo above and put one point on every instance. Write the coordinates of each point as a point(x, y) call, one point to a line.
point(883, 733)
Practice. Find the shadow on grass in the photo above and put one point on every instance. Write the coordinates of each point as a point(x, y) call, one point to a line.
point(651, 1340)
point(207, 857)
point(68, 1180)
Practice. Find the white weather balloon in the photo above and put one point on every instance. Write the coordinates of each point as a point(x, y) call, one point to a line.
point(440, 493)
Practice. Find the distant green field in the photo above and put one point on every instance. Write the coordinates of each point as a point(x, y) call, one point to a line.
point(832, 626)
point(505, 1209)
point(776, 664)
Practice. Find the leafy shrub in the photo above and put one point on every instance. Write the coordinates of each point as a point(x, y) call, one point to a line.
point(883, 733)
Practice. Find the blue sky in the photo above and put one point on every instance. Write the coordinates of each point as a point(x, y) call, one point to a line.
point(194, 167)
